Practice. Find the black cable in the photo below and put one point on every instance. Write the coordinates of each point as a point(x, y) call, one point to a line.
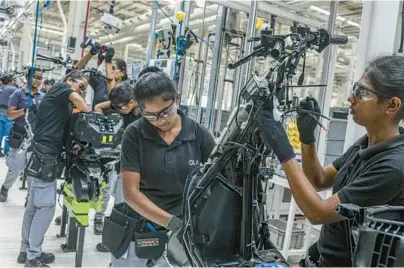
point(165, 14)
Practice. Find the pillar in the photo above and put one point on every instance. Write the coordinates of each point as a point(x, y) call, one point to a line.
point(380, 21)
point(25, 46)
point(75, 26)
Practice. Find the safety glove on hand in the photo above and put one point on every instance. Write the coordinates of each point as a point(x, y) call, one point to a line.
point(274, 136)
point(109, 55)
point(174, 224)
point(95, 49)
point(308, 116)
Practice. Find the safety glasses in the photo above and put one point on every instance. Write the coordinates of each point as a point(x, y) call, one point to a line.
point(115, 68)
point(361, 92)
point(120, 107)
point(163, 114)
point(82, 87)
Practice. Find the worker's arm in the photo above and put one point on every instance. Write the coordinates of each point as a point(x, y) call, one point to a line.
point(317, 210)
point(13, 113)
point(320, 177)
point(110, 84)
point(109, 54)
point(82, 63)
point(79, 102)
point(139, 202)
point(102, 107)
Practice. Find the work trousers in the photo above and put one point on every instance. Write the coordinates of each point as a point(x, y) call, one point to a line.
point(130, 259)
point(5, 127)
point(16, 160)
point(38, 216)
point(114, 188)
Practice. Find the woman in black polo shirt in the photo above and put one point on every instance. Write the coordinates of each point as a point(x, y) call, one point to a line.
point(158, 153)
point(370, 173)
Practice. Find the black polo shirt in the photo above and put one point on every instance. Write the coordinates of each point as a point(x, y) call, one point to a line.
point(164, 168)
point(367, 176)
point(130, 117)
point(100, 89)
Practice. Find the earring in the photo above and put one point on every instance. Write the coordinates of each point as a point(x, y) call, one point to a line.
point(388, 112)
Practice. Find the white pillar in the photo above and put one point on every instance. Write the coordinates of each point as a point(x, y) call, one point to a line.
point(380, 34)
point(75, 26)
point(25, 46)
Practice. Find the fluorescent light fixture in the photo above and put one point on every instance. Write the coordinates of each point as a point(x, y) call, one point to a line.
point(325, 12)
point(353, 23)
point(51, 31)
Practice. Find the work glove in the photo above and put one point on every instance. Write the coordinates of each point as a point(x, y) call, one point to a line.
point(307, 119)
point(274, 136)
point(109, 55)
point(95, 49)
point(174, 224)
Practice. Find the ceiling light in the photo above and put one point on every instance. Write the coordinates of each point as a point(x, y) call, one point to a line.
point(352, 23)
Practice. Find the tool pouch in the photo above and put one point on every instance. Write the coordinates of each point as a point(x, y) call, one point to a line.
point(150, 245)
point(45, 167)
point(118, 232)
point(15, 139)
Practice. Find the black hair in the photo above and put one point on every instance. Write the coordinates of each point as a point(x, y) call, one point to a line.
point(49, 82)
point(154, 84)
point(386, 74)
point(122, 66)
point(150, 69)
point(123, 93)
point(6, 79)
point(75, 75)
point(32, 69)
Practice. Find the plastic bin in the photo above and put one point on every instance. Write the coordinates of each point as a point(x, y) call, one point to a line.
point(277, 230)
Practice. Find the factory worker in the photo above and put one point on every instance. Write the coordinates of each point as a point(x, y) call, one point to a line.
point(369, 173)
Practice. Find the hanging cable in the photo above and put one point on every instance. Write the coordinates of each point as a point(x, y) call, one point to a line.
point(32, 71)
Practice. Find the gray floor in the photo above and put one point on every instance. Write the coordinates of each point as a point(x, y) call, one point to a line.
point(11, 214)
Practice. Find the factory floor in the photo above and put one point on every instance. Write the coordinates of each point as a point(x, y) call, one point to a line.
point(11, 214)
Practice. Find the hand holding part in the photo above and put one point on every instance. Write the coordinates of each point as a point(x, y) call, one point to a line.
point(274, 136)
point(109, 54)
point(308, 116)
point(95, 49)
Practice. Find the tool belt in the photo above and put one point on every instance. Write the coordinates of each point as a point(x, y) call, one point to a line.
point(16, 138)
point(120, 230)
point(44, 166)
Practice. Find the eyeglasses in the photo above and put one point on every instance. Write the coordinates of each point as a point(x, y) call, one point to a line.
point(114, 68)
point(82, 87)
point(163, 114)
point(361, 92)
point(37, 77)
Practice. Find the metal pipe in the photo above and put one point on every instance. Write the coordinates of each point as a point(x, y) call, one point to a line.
point(248, 46)
point(150, 40)
point(86, 24)
point(13, 57)
point(221, 93)
point(188, 7)
point(16, 18)
point(237, 78)
point(202, 81)
point(200, 49)
point(326, 79)
point(217, 52)
point(62, 16)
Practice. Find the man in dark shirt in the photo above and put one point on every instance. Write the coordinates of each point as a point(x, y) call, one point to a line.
point(19, 136)
point(43, 167)
point(6, 90)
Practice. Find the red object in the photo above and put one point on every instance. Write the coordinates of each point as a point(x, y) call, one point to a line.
point(101, 54)
point(86, 24)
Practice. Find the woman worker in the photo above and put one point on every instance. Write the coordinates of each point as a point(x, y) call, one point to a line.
point(374, 164)
point(158, 153)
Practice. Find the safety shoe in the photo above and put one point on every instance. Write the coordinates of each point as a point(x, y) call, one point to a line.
point(3, 194)
point(102, 248)
point(98, 226)
point(45, 258)
point(37, 262)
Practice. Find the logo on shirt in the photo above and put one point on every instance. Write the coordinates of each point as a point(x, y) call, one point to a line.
point(194, 162)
